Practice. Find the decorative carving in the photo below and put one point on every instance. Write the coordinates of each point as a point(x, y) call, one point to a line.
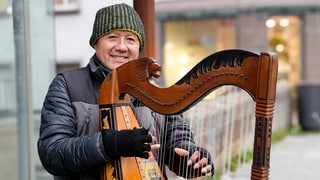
point(225, 58)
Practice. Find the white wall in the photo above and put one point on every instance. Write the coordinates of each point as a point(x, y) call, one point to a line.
point(74, 30)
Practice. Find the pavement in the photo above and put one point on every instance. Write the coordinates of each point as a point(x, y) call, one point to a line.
point(297, 157)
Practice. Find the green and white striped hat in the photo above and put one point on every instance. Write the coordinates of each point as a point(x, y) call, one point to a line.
point(117, 17)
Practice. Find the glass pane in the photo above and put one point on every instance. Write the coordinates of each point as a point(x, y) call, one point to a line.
point(4, 4)
point(187, 42)
point(284, 33)
point(8, 129)
point(39, 45)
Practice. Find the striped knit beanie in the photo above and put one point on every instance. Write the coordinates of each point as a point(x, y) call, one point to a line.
point(117, 17)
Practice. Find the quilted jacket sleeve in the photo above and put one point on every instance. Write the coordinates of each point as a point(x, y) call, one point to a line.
point(60, 150)
point(178, 133)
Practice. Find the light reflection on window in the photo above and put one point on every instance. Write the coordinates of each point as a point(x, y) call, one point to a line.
point(187, 42)
point(285, 39)
point(5, 7)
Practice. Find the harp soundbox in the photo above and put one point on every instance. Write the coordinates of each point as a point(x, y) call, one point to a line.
point(254, 73)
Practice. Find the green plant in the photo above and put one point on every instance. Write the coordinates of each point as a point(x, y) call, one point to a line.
point(279, 136)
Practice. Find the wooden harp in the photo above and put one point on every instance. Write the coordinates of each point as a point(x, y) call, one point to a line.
point(254, 73)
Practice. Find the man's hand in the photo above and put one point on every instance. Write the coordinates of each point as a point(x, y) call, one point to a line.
point(191, 163)
point(128, 143)
point(196, 160)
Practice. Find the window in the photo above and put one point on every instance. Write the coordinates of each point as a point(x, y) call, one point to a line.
point(187, 42)
point(7, 89)
point(5, 8)
point(66, 6)
point(284, 36)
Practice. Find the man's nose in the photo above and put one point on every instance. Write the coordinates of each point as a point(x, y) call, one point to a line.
point(122, 45)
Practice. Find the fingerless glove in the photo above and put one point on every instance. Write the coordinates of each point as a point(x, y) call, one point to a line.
point(126, 143)
point(178, 164)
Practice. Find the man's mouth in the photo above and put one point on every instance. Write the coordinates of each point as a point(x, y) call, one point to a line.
point(119, 57)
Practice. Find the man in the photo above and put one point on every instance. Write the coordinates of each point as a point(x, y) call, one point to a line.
point(71, 146)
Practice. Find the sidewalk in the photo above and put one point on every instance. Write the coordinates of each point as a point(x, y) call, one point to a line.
point(297, 157)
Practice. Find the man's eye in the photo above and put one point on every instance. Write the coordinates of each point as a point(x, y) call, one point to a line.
point(112, 37)
point(131, 39)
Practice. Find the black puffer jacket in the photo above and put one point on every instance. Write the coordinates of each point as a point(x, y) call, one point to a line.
point(70, 144)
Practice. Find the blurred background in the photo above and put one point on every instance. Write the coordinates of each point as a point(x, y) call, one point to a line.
point(55, 38)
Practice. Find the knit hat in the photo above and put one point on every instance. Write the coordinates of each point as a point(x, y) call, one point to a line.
point(117, 17)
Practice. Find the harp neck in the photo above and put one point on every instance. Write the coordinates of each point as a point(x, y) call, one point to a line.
point(229, 67)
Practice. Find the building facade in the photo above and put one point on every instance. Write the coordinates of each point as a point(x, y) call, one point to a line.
point(187, 31)
point(290, 28)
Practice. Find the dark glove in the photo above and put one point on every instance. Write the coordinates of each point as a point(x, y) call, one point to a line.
point(126, 143)
point(178, 164)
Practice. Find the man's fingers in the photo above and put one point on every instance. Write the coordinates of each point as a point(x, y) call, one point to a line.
point(154, 139)
point(193, 158)
point(155, 147)
point(200, 163)
point(207, 170)
point(181, 152)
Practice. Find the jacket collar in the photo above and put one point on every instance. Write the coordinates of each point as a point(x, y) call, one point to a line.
point(97, 68)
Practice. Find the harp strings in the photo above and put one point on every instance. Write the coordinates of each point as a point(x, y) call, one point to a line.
point(155, 123)
point(170, 132)
point(222, 123)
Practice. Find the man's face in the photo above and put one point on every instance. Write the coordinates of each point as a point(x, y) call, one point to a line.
point(117, 47)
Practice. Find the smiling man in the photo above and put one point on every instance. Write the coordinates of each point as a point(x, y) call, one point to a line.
point(117, 47)
point(70, 144)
